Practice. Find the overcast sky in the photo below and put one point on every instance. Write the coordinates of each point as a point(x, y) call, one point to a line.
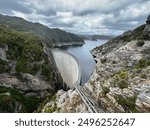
point(81, 16)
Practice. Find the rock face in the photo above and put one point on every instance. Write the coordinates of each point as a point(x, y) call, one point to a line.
point(66, 102)
point(31, 85)
point(27, 71)
point(121, 80)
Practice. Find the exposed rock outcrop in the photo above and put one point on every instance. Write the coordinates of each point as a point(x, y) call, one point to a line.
point(121, 80)
point(64, 102)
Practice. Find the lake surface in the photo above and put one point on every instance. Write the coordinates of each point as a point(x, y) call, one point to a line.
point(86, 60)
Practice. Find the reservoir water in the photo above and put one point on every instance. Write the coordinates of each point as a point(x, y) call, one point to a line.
point(86, 60)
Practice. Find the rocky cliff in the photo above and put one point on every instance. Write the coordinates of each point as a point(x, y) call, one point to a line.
point(121, 79)
point(27, 73)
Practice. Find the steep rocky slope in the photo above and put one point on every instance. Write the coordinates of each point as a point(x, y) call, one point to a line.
point(27, 73)
point(53, 37)
point(121, 80)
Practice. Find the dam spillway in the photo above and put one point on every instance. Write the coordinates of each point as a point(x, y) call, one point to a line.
point(68, 67)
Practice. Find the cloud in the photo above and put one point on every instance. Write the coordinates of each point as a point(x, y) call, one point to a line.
point(6, 6)
point(95, 16)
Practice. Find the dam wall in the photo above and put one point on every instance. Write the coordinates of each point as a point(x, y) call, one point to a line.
point(68, 67)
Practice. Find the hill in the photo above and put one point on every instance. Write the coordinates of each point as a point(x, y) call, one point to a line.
point(52, 37)
point(95, 37)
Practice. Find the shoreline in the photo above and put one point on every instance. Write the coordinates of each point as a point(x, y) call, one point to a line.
point(68, 44)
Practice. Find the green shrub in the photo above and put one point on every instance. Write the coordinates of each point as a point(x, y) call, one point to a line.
point(25, 67)
point(49, 109)
point(123, 74)
point(4, 66)
point(143, 63)
point(21, 66)
point(47, 72)
point(142, 35)
point(105, 90)
point(7, 104)
point(35, 68)
point(140, 43)
point(21, 45)
point(122, 84)
point(127, 103)
point(121, 80)
point(29, 103)
point(103, 60)
point(144, 76)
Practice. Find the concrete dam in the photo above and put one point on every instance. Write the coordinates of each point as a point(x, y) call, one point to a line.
point(68, 67)
point(70, 71)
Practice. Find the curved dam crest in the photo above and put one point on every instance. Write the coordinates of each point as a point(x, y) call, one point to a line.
point(68, 66)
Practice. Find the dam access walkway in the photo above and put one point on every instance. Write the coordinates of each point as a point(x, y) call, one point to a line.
point(70, 71)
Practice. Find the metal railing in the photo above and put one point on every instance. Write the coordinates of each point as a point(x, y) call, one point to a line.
point(86, 101)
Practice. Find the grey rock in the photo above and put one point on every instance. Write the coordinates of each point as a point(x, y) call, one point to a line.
point(122, 58)
point(32, 84)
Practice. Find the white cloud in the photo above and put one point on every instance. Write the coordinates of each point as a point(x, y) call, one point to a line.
point(95, 16)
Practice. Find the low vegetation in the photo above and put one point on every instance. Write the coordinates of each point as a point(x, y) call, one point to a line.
point(4, 68)
point(138, 34)
point(23, 48)
point(121, 79)
point(51, 36)
point(128, 103)
point(143, 63)
point(105, 90)
point(51, 108)
point(10, 98)
point(26, 49)
point(140, 43)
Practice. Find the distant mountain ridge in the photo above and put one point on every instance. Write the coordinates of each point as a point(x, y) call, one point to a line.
point(52, 36)
point(95, 37)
